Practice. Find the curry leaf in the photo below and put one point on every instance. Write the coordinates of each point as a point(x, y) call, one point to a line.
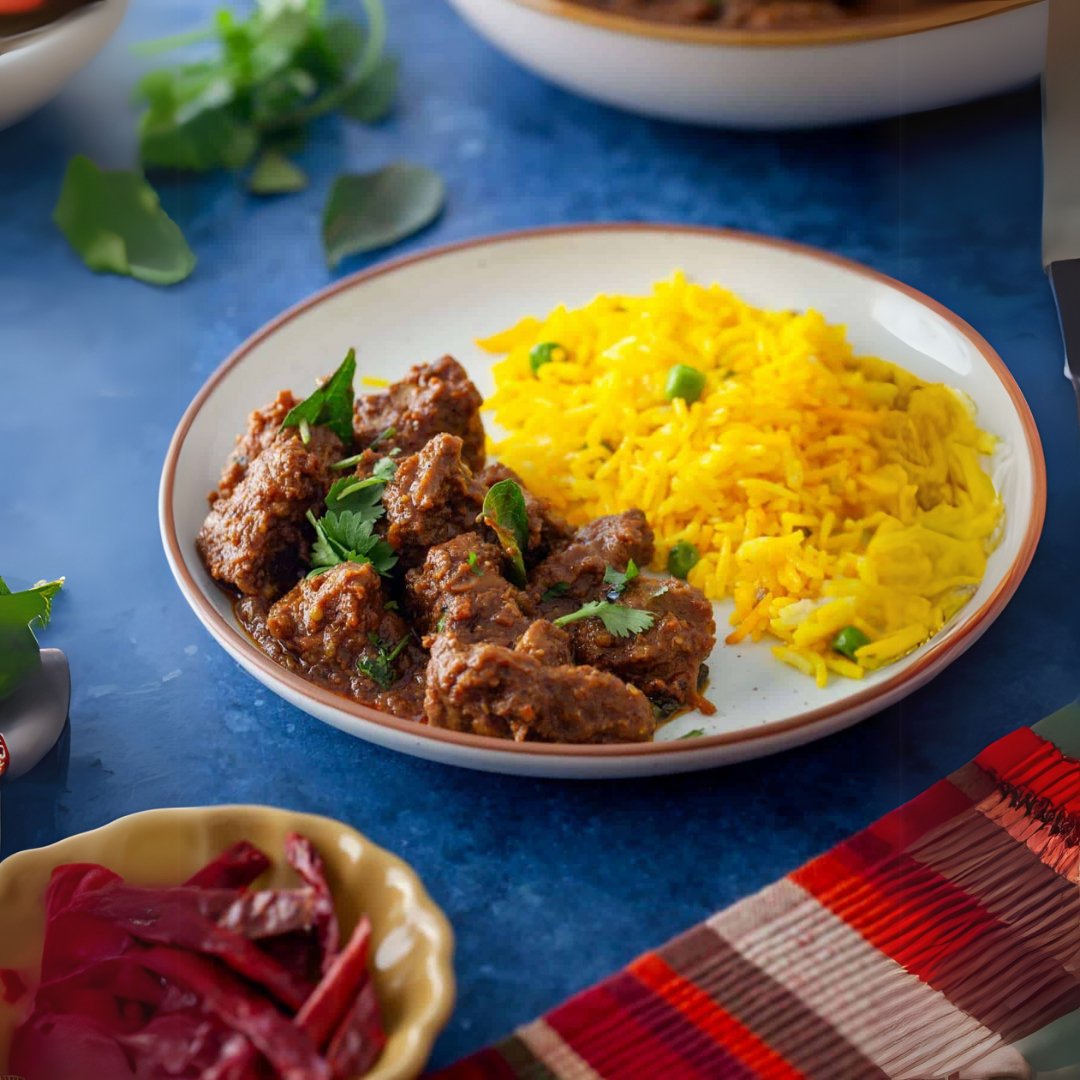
point(19, 652)
point(115, 223)
point(275, 174)
point(505, 513)
point(331, 405)
point(366, 211)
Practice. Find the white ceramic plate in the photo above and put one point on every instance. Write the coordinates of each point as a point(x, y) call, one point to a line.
point(863, 70)
point(440, 301)
point(35, 70)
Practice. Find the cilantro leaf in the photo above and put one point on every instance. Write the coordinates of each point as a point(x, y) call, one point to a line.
point(362, 495)
point(331, 405)
point(474, 563)
point(619, 581)
point(20, 655)
point(505, 513)
point(380, 667)
point(275, 174)
point(695, 734)
point(115, 223)
point(618, 619)
point(346, 536)
point(366, 211)
point(275, 71)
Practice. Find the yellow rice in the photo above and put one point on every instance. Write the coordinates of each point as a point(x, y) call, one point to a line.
point(823, 489)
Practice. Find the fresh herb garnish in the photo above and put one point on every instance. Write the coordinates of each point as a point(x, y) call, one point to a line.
point(275, 174)
point(380, 667)
point(116, 225)
point(391, 605)
point(544, 353)
point(440, 626)
point(20, 655)
point(348, 536)
point(695, 734)
point(505, 513)
point(618, 619)
point(619, 581)
point(274, 72)
point(560, 588)
point(362, 494)
point(331, 405)
point(682, 558)
point(386, 433)
point(366, 211)
point(474, 563)
point(849, 641)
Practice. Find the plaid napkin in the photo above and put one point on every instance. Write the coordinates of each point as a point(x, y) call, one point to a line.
point(925, 946)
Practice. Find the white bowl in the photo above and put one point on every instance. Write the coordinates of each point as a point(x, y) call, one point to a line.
point(35, 70)
point(440, 301)
point(864, 70)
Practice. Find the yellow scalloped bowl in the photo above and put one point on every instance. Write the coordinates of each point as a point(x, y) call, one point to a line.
point(412, 941)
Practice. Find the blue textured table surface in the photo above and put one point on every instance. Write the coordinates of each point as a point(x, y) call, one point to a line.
point(549, 885)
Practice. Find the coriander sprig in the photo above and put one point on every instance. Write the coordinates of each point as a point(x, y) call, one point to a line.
point(346, 532)
point(380, 667)
point(618, 619)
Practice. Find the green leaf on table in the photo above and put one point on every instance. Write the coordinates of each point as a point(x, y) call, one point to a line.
point(331, 405)
point(505, 513)
point(373, 97)
point(275, 174)
point(20, 655)
point(373, 210)
point(115, 223)
point(212, 139)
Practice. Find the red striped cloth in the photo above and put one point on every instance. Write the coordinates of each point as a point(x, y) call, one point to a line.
point(919, 948)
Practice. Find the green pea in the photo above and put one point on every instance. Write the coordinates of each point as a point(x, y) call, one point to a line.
point(849, 640)
point(684, 381)
point(544, 353)
point(682, 558)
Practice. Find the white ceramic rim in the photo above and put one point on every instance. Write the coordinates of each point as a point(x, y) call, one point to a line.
point(948, 13)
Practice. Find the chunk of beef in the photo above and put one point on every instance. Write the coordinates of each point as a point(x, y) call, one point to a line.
point(327, 625)
point(432, 498)
point(574, 572)
point(491, 690)
point(548, 643)
point(546, 528)
point(430, 400)
point(465, 597)
point(255, 537)
point(263, 426)
point(664, 661)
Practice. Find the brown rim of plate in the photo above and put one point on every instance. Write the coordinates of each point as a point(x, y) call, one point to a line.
point(870, 28)
point(939, 653)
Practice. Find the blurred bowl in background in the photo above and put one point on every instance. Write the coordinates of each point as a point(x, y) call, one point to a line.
point(34, 67)
point(864, 69)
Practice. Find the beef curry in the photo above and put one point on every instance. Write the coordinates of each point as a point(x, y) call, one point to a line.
point(412, 595)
